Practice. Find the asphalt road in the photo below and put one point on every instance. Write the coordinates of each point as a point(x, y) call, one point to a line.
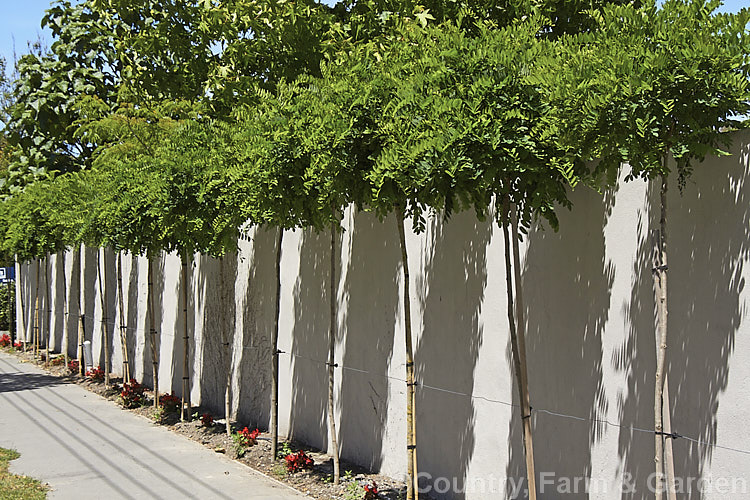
point(86, 447)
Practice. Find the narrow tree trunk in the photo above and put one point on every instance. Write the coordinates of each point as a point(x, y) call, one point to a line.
point(412, 491)
point(332, 358)
point(19, 294)
point(660, 274)
point(275, 357)
point(11, 308)
point(101, 268)
point(186, 404)
point(226, 340)
point(48, 329)
point(521, 338)
point(36, 317)
point(81, 310)
point(518, 364)
point(9, 312)
point(66, 313)
point(123, 322)
point(152, 329)
point(668, 451)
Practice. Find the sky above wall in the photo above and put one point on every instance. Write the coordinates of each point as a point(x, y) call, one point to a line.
point(20, 24)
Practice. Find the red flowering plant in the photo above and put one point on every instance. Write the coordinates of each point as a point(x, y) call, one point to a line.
point(371, 491)
point(97, 374)
point(5, 340)
point(207, 420)
point(169, 402)
point(74, 366)
point(297, 461)
point(244, 439)
point(18, 346)
point(132, 394)
point(57, 361)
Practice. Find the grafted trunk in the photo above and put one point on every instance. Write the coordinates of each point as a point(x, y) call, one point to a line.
point(48, 329)
point(660, 283)
point(19, 294)
point(332, 359)
point(101, 267)
point(152, 330)
point(519, 361)
point(66, 313)
point(81, 312)
point(36, 315)
point(186, 403)
point(412, 491)
point(123, 322)
point(275, 357)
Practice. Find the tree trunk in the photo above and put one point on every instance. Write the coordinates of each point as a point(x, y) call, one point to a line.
point(332, 358)
point(226, 340)
point(275, 357)
point(81, 310)
point(186, 404)
point(9, 312)
point(19, 294)
point(123, 322)
point(517, 343)
point(660, 277)
point(412, 491)
point(48, 329)
point(152, 329)
point(66, 313)
point(101, 267)
point(36, 317)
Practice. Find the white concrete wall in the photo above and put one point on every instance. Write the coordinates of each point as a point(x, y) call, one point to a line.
point(590, 319)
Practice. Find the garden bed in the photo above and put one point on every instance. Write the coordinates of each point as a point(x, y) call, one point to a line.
point(315, 481)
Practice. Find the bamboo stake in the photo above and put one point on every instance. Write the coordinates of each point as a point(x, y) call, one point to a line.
point(332, 356)
point(661, 273)
point(101, 267)
point(275, 357)
point(152, 330)
point(123, 322)
point(521, 339)
point(520, 378)
point(412, 490)
point(186, 404)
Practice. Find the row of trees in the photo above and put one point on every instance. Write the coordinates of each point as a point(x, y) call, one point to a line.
point(157, 126)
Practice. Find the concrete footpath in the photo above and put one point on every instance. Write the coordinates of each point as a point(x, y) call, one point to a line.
point(86, 447)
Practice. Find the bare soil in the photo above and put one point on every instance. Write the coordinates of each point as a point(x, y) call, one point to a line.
point(316, 482)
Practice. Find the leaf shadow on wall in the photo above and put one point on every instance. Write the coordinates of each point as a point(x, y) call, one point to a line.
point(218, 323)
point(368, 305)
point(708, 250)
point(450, 288)
point(133, 328)
point(310, 334)
point(254, 364)
point(567, 284)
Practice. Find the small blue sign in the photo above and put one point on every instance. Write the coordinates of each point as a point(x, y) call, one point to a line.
point(7, 274)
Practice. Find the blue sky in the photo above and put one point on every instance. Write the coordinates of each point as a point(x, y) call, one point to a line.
point(22, 20)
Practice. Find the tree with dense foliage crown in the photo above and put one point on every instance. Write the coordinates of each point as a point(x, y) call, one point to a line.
point(658, 88)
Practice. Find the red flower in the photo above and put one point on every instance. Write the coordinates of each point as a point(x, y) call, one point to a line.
point(298, 461)
point(371, 491)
